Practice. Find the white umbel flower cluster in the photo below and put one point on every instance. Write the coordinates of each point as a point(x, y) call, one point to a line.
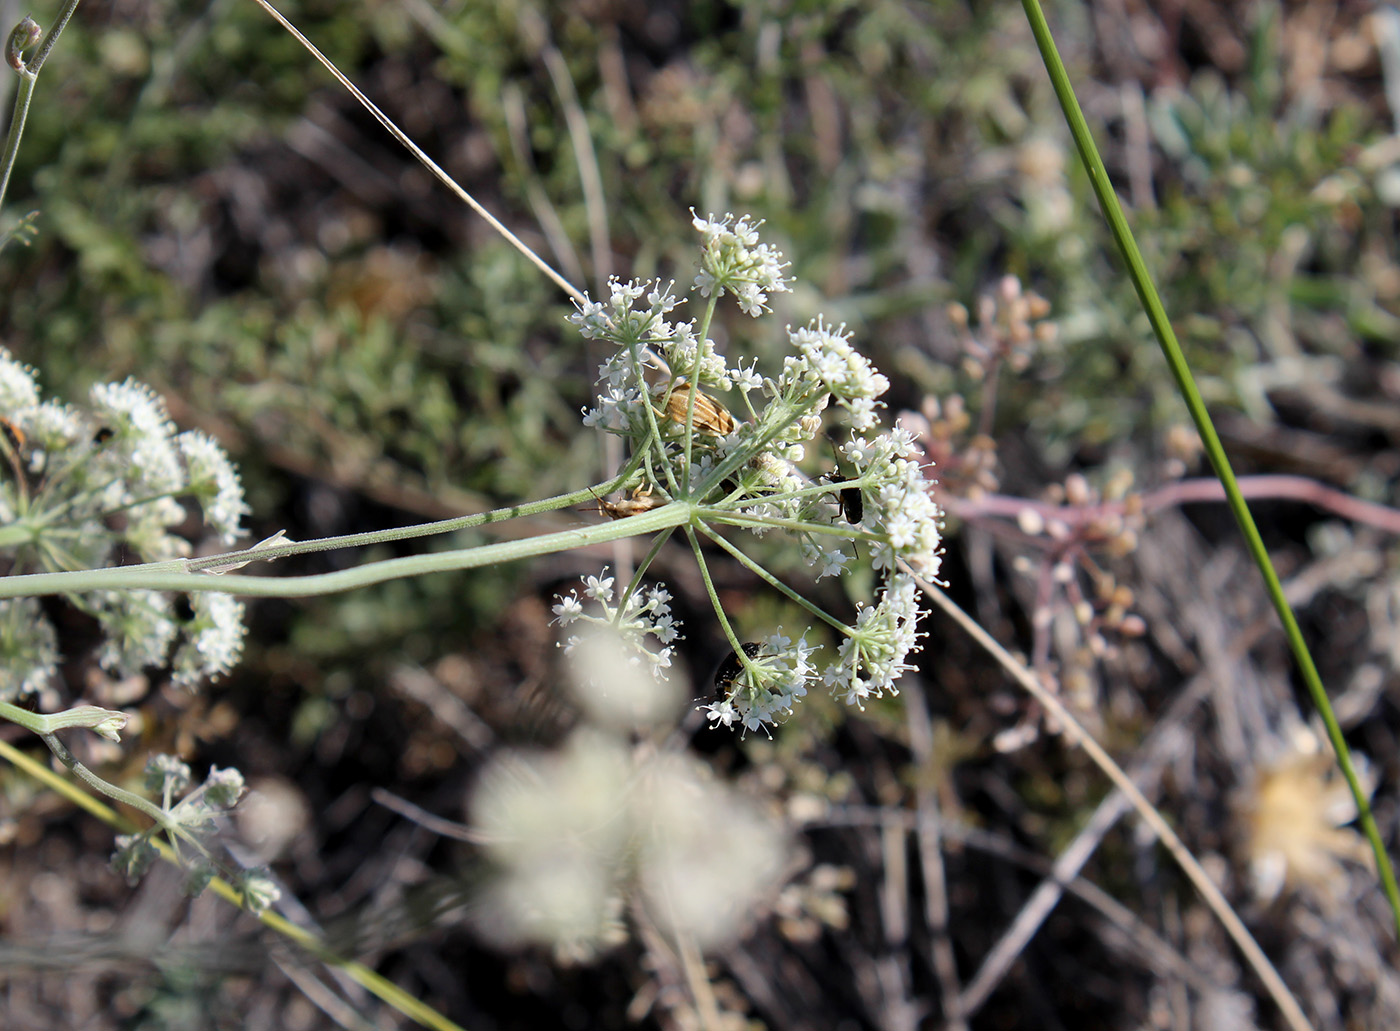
point(641, 620)
point(661, 390)
point(87, 486)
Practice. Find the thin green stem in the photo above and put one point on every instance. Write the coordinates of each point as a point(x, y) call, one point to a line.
point(1166, 338)
point(636, 581)
point(402, 533)
point(653, 430)
point(729, 633)
point(773, 581)
point(17, 120)
point(375, 983)
point(695, 387)
point(728, 517)
point(173, 576)
point(116, 794)
point(28, 76)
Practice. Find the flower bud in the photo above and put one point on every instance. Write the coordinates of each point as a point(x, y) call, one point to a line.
point(24, 36)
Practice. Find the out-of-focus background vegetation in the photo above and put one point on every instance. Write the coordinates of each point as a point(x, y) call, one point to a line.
point(220, 220)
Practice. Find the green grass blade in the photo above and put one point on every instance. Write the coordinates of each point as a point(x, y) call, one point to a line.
point(1166, 337)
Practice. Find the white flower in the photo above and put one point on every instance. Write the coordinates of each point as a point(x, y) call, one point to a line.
point(599, 588)
point(137, 627)
point(644, 615)
point(747, 380)
point(871, 659)
point(18, 391)
point(53, 426)
point(731, 258)
point(147, 530)
point(567, 609)
point(744, 469)
point(142, 445)
point(772, 677)
point(833, 562)
point(213, 638)
point(28, 648)
point(214, 481)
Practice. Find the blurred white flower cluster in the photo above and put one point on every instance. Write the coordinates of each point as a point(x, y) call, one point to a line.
point(582, 834)
point(83, 488)
point(743, 471)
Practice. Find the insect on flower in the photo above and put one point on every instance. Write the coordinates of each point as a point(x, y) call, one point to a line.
point(730, 669)
point(14, 436)
point(852, 504)
point(12, 444)
point(640, 501)
point(711, 417)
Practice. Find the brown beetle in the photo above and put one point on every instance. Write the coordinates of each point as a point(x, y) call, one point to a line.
point(711, 417)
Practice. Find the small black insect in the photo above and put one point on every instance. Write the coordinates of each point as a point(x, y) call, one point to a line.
point(852, 504)
point(731, 667)
point(851, 501)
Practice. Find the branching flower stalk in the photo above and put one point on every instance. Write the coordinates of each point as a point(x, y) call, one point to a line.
point(657, 394)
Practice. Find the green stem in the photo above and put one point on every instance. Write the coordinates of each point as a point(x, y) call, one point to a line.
point(653, 430)
point(773, 581)
point(173, 576)
point(729, 633)
point(402, 533)
point(652, 552)
point(28, 75)
point(1166, 338)
point(17, 120)
point(358, 972)
point(727, 517)
point(695, 387)
point(113, 792)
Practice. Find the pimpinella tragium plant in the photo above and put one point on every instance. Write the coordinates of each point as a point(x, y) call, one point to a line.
point(658, 392)
point(88, 486)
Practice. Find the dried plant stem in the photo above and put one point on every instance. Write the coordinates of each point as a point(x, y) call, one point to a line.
point(1183, 492)
point(929, 836)
point(423, 159)
point(1077, 735)
point(1159, 747)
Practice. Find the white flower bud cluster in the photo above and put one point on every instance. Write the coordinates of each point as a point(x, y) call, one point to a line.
point(872, 658)
point(194, 818)
point(86, 486)
point(732, 259)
